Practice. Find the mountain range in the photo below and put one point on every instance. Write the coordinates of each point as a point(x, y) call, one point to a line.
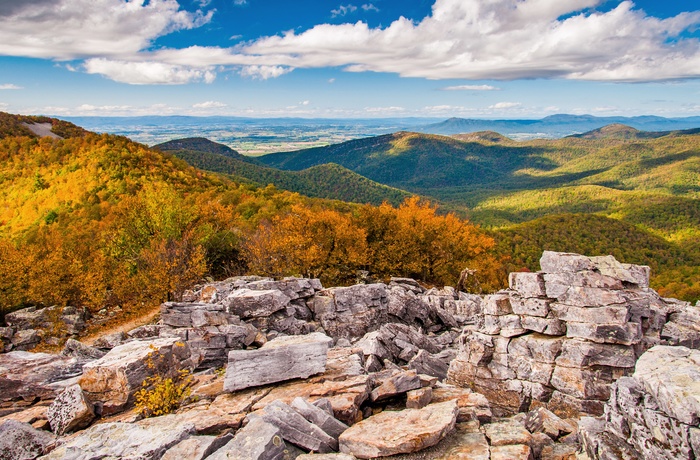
point(613, 190)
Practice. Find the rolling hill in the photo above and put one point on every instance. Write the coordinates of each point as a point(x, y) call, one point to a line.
point(330, 180)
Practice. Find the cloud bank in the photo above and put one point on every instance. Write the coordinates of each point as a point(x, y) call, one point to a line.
point(460, 39)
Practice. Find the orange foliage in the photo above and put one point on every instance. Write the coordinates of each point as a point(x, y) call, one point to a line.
point(318, 243)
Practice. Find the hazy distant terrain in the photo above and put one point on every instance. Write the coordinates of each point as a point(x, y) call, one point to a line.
point(259, 136)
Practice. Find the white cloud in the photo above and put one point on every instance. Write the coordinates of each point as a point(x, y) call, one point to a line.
point(210, 105)
point(505, 105)
point(331, 80)
point(342, 10)
point(504, 40)
point(471, 88)
point(369, 7)
point(240, 2)
point(460, 39)
point(263, 72)
point(70, 29)
point(9, 86)
point(148, 73)
point(305, 103)
point(384, 110)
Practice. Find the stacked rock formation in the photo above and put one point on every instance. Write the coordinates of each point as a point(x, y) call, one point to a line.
point(562, 336)
point(53, 325)
point(655, 413)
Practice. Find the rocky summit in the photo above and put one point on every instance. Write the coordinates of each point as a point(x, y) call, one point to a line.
point(580, 360)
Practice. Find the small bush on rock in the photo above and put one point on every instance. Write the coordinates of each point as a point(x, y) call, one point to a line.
point(160, 396)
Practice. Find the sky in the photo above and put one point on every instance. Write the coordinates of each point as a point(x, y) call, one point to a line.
point(350, 58)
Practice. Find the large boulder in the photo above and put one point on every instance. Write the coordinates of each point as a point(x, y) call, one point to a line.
point(284, 358)
point(148, 439)
point(25, 375)
point(350, 312)
point(20, 441)
point(390, 433)
point(70, 411)
point(111, 381)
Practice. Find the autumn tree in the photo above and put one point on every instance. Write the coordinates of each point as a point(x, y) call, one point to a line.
point(413, 240)
point(318, 243)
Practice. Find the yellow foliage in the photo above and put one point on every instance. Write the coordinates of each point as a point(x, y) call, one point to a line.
point(160, 396)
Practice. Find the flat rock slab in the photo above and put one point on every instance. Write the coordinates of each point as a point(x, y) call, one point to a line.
point(284, 358)
point(70, 411)
point(113, 379)
point(248, 303)
point(20, 441)
point(407, 431)
point(672, 376)
point(25, 375)
point(144, 440)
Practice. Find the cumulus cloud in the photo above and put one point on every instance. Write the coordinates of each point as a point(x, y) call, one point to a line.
point(263, 72)
point(504, 40)
point(505, 105)
point(460, 39)
point(210, 105)
point(9, 86)
point(70, 29)
point(342, 10)
point(148, 73)
point(471, 88)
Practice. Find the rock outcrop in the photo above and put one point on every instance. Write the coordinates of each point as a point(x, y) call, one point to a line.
point(562, 336)
point(655, 413)
point(377, 370)
point(52, 325)
point(283, 358)
point(111, 381)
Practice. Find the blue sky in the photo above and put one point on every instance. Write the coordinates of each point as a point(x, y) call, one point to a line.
point(370, 58)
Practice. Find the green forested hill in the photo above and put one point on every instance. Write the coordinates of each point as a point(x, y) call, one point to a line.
point(644, 182)
point(329, 180)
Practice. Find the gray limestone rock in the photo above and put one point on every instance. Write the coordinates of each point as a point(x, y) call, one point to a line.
point(25, 375)
point(81, 351)
point(671, 375)
point(582, 353)
point(148, 439)
point(529, 306)
point(319, 417)
point(283, 358)
point(626, 334)
point(497, 304)
point(21, 441)
point(425, 363)
point(293, 427)
point(527, 284)
point(395, 385)
point(196, 447)
point(248, 303)
point(70, 411)
point(350, 312)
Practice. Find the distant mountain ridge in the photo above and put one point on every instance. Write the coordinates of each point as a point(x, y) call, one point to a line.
point(555, 126)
